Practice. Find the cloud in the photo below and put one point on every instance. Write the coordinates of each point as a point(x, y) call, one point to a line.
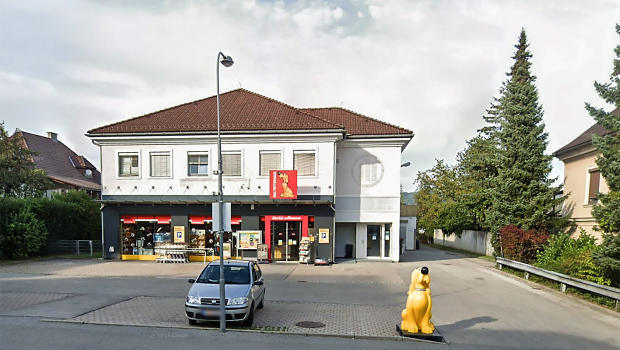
point(429, 66)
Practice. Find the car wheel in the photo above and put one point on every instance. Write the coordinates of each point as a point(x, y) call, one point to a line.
point(262, 303)
point(192, 322)
point(248, 321)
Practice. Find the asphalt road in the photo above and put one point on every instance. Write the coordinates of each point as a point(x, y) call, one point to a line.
point(474, 307)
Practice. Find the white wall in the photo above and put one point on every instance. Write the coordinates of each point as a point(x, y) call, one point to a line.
point(472, 241)
point(409, 231)
point(247, 184)
point(367, 202)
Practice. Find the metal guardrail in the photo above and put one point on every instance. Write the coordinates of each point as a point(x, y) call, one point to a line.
point(564, 280)
point(78, 247)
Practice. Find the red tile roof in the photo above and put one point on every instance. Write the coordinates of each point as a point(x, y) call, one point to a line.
point(57, 161)
point(240, 110)
point(243, 110)
point(356, 124)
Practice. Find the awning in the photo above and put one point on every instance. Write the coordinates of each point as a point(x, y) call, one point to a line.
point(197, 219)
point(131, 219)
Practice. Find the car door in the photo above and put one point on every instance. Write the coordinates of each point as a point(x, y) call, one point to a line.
point(257, 290)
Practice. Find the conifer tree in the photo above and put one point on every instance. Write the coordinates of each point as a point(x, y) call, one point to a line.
point(522, 194)
point(607, 211)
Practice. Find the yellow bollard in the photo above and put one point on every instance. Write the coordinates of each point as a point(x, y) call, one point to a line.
point(417, 314)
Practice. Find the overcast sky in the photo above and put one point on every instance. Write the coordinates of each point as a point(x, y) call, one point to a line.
point(430, 66)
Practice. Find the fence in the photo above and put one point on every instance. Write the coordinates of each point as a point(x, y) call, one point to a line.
point(478, 242)
point(564, 280)
point(77, 247)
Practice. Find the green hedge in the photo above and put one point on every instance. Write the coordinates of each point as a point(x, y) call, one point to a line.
point(572, 257)
point(27, 224)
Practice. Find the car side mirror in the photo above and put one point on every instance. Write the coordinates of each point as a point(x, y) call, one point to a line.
point(191, 280)
point(258, 283)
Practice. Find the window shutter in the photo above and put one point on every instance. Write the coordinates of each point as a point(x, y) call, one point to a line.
point(231, 164)
point(160, 165)
point(269, 161)
point(304, 164)
point(595, 181)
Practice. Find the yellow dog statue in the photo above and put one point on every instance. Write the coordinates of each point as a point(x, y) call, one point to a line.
point(417, 314)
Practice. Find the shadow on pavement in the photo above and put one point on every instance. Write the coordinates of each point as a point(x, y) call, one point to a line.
point(426, 253)
point(462, 324)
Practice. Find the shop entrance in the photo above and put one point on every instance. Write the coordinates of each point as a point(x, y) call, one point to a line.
point(285, 237)
point(378, 240)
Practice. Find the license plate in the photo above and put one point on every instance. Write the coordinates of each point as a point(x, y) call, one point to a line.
point(209, 312)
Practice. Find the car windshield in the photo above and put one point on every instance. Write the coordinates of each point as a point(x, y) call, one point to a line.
point(232, 274)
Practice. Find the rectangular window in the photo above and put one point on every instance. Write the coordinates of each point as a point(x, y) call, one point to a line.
point(595, 182)
point(231, 163)
point(197, 164)
point(269, 161)
point(128, 164)
point(160, 164)
point(368, 173)
point(304, 163)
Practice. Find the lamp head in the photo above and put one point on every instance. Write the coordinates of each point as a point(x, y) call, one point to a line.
point(227, 61)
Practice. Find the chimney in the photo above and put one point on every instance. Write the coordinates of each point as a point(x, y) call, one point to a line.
point(53, 136)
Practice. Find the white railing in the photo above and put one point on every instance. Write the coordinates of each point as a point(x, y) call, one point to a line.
point(564, 280)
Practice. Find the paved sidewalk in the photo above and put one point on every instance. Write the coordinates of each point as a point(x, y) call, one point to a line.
point(355, 321)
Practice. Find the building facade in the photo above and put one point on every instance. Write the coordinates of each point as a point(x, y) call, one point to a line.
point(297, 180)
point(582, 180)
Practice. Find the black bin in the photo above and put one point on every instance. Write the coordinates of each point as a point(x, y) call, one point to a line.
point(417, 244)
point(349, 251)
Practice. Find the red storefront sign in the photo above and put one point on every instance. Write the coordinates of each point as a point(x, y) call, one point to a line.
point(283, 184)
point(131, 219)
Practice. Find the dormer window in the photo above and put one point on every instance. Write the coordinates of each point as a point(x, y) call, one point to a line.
point(88, 173)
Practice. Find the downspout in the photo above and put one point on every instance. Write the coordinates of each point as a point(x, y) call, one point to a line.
point(103, 251)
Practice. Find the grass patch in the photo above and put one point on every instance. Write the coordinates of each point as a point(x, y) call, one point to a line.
point(463, 252)
point(576, 292)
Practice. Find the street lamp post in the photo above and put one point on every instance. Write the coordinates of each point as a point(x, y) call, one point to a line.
point(226, 61)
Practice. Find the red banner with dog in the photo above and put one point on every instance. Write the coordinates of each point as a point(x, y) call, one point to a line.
point(283, 184)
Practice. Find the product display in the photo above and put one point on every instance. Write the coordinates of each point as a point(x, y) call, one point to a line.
point(304, 250)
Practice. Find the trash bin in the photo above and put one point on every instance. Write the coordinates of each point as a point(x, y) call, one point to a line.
point(349, 251)
point(417, 244)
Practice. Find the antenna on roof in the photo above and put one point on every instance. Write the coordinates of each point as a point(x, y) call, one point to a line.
point(341, 104)
point(240, 85)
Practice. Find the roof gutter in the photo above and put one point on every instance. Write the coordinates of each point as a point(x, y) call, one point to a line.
point(169, 133)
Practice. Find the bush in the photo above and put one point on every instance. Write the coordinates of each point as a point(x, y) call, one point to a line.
point(607, 257)
point(521, 245)
point(572, 257)
point(22, 235)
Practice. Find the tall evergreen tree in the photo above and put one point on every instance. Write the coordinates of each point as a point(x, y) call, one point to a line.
point(522, 194)
point(478, 166)
point(607, 212)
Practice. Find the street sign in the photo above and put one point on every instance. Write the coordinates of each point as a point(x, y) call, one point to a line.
point(216, 217)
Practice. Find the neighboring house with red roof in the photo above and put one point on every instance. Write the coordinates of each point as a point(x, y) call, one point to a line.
point(340, 180)
point(66, 169)
point(582, 179)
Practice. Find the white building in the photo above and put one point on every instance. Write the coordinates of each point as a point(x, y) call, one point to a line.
point(157, 179)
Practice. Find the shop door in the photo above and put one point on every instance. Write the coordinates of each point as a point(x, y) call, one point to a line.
point(285, 240)
point(373, 241)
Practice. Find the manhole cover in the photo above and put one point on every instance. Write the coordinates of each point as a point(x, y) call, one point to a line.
point(310, 324)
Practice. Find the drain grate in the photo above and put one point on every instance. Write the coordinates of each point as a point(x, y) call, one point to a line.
point(310, 324)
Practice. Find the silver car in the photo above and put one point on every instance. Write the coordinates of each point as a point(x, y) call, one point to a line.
point(245, 292)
